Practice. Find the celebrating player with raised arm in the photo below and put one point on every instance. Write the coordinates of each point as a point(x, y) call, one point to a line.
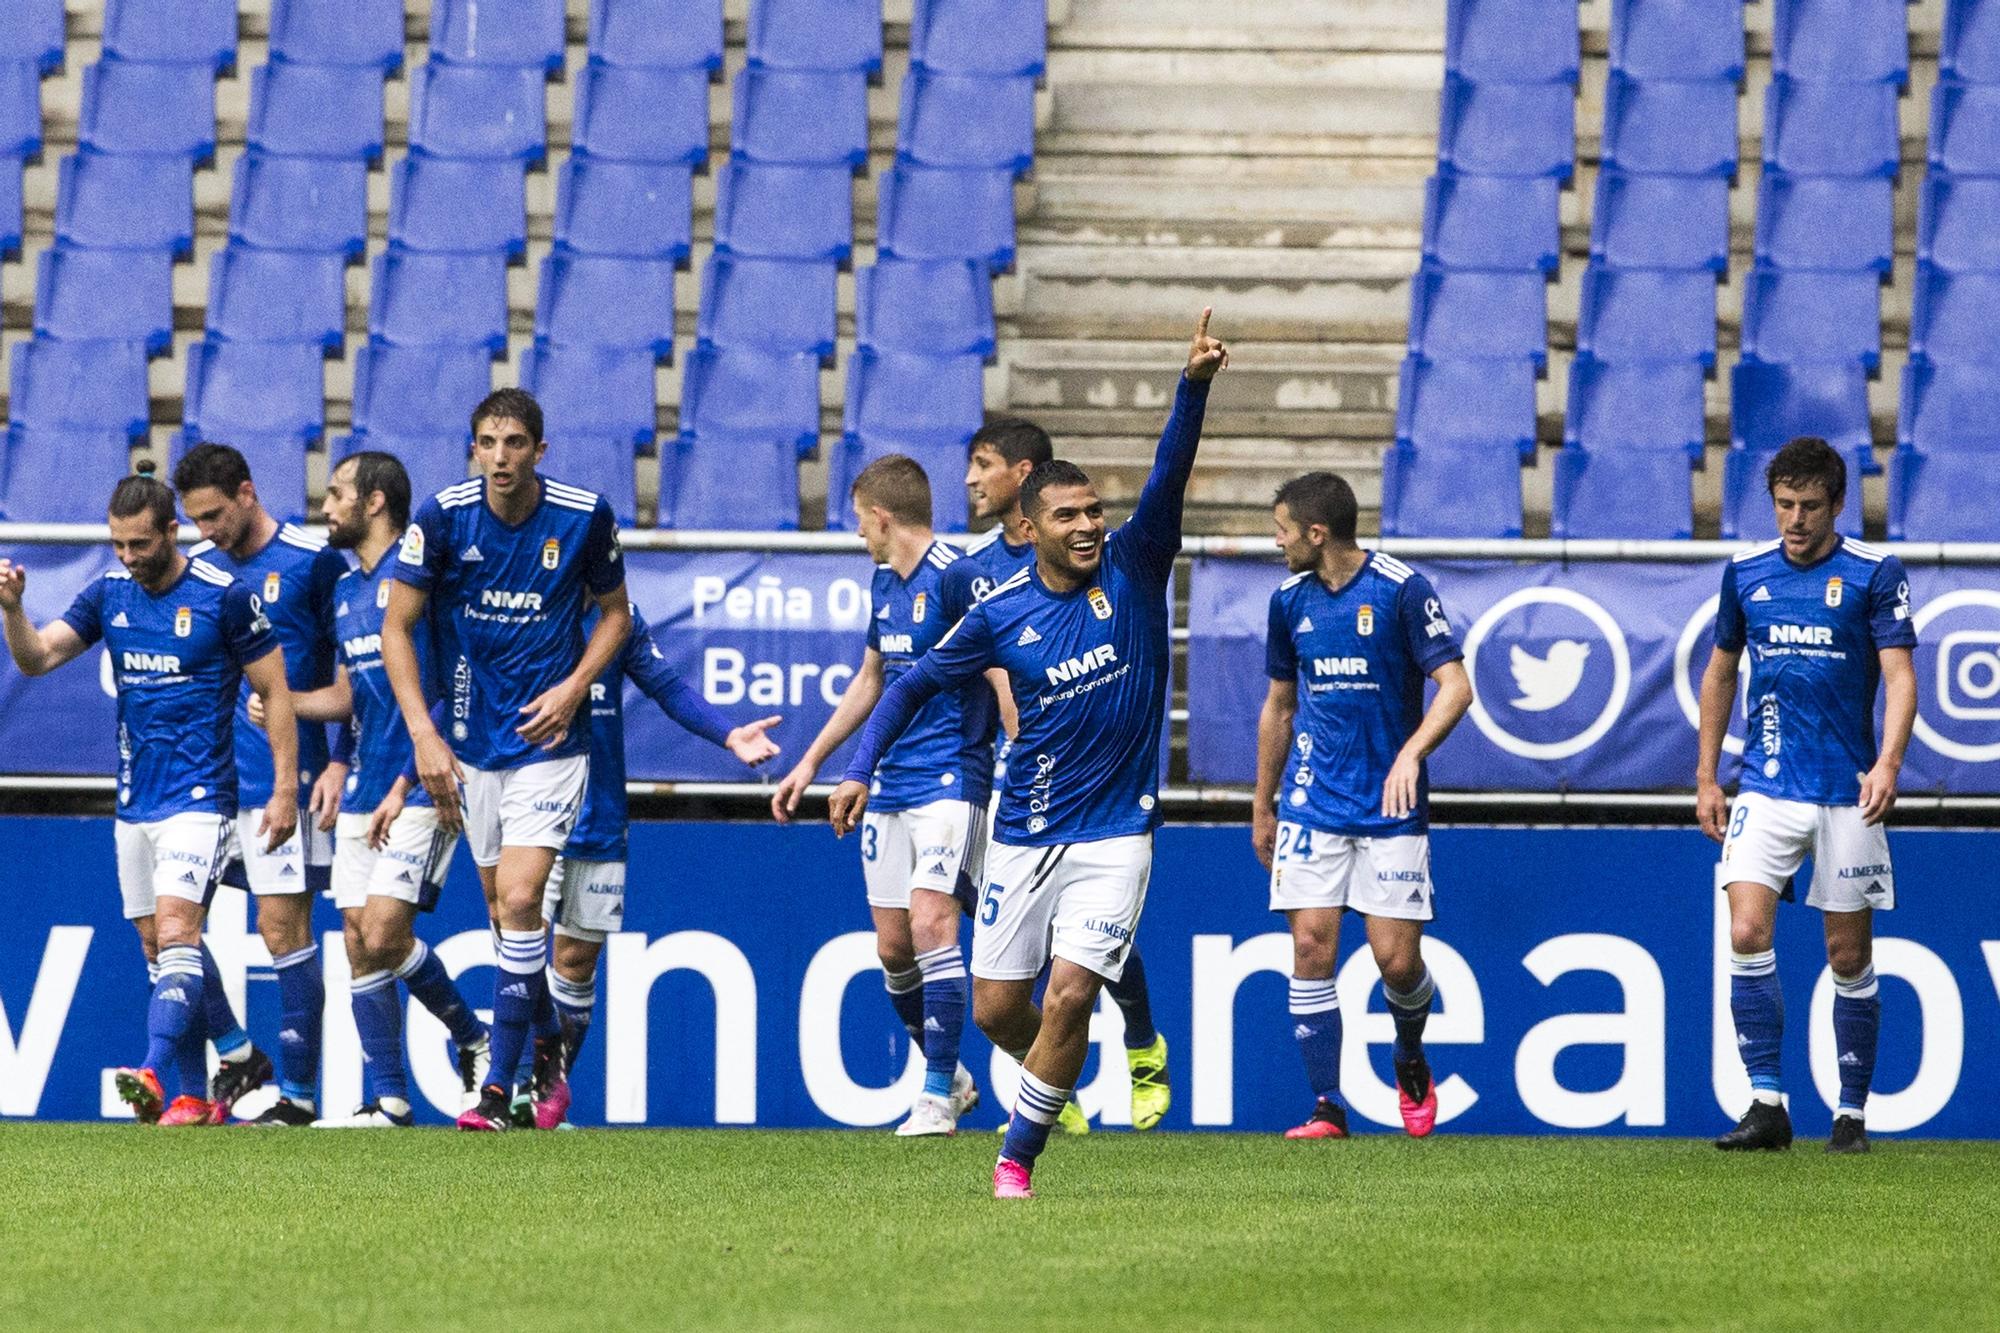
point(1082, 635)
point(181, 635)
point(514, 560)
point(1355, 633)
point(929, 793)
point(1824, 620)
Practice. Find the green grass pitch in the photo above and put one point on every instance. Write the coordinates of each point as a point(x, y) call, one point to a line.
point(727, 1229)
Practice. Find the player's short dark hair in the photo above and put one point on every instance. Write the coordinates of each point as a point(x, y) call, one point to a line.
point(376, 471)
point(1055, 472)
point(510, 404)
point(897, 483)
point(1015, 439)
point(1322, 498)
point(1806, 460)
point(216, 465)
point(143, 493)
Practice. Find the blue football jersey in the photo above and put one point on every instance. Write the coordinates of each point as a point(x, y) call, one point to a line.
point(512, 601)
point(996, 559)
point(293, 578)
point(946, 754)
point(381, 739)
point(1813, 633)
point(177, 658)
point(1089, 671)
point(1359, 655)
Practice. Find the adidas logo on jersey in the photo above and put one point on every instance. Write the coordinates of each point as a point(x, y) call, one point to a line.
point(120, 622)
point(1028, 636)
point(1305, 626)
point(470, 554)
point(1763, 594)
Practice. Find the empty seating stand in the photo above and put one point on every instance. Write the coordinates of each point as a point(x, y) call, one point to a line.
point(126, 202)
point(1512, 41)
point(816, 34)
point(992, 37)
point(1467, 404)
point(942, 307)
point(300, 203)
point(782, 305)
point(278, 296)
point(55, 474)
point(512, 33)
point(32, 31)
point(478, 111)
point(338, 32)
point(941, 213)
point(644, 210)
point(188, 32)
point(116, 295)
point(660, 34)
point(429, 299)
point(806, 117)
point(420, 390)
point(56, 383)
point(316, 110)
point(1496, 222)
point(967, 120)
point(1678, 39)
point(142, 107)
point(642, 114)
point(606, 301)
point(458, 205)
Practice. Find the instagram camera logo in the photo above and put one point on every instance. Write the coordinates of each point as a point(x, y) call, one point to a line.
point(1968, 675)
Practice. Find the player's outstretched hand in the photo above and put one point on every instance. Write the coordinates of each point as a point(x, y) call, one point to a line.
point(1206, 355)
point(1264, 832)
point(386, 814)
point(281, 819)
point(1711, 808)
point(785, 800)
point(1878, 794)
point(849, 803)
point(438, 770)
point(549, 715)
point(749, 743)
point(325, 803)
point(13, 583)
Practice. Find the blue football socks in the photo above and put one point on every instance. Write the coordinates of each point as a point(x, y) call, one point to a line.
point(1316, 1023)
point(301, 999)
point(1758, 1004)
point(943, 971)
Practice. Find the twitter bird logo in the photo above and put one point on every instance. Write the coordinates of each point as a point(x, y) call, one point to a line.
point(1548, 682)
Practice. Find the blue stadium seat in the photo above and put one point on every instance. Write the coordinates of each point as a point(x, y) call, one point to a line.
point(967, 120)
point(1635, 495)
point(1660, 221)
point(1636, 405)
point(129, 107)
point(661, 34)
point(816, 34)
point(898, 393)
point(606, 301)
point(642, 115)
point(20, 109)
point(300, 203)
point(1450, 490)
point(1825, 222)
point(1799, 315)
point(425, 391)
point(1947, 408)
point(1955, 217)
point(940, 454)
point(126, 202)
point(1831, 129)
point(426, 300)
point(1492, 221)
point(1965, 128)
point(277, 462)
point(812, 117)
point(602, 463)
point(941, 307)
point(192, 32)
point(79, 385)
point(1468, 313)
point(1488, 404)
point(461, 205)
point(11, 206)
point(1508, 129)
point(278, 296)
point(1970, 46)
point(1746, 499)
point(478, 111)
point(339, 32)
point(117, 295)
point(1772, 404)
point(1677, 39)
point(979, 37)
point(594, 391)
point(784, 212)
point(255, 388)
point(434, 459)
point(1647, 314)
point(1669, 127)
point(641, 209)
point(32, 30)
point(1511, 41)
point(938, 213)
point(316, 110)
point(740, 391)
point(710, 479)
point(1941, 497)
point(54, 474)
point(778, 305)
point(1841, 41)
point(499, 32)
point(1952, 316)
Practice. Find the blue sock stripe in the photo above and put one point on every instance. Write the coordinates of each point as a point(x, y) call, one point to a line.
point(419, 954)
point(1856, 987)
point(295, 957)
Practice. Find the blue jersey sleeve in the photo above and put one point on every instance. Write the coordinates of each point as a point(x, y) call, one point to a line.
point(1889, 606)
point(878, 592)
point(329, 567)
point(958, 589)
point(1730, 630)
point(1156, 520)
point(342, 749)
point(426, 548)
point(84, 615)
point(960, 656)
point(646, 666)
point(246, 630)
point(1281, 655)
point(1426, 632)
point(603, 561)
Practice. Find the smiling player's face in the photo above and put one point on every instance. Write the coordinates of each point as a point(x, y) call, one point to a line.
point(507, 455)
point(1068, 528)
point(1294, 540)
point(143, 547)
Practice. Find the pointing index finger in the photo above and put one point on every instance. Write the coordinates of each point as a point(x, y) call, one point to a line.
point(1201, 325)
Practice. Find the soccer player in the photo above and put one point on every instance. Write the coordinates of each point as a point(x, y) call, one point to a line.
point(293, 574)
point(514, 561)
point(1352, 636)
point(929, 791)
point(1002, 454)
point(1082, 635)
point(1824, 619)
point(181, 635)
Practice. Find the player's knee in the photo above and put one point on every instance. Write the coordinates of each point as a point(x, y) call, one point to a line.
point(1402, 968)
point(1070, 997)
point(999, 1016)
point(384, 945)
point(1312, 956)
point(1749, 936)
point(1848, 958)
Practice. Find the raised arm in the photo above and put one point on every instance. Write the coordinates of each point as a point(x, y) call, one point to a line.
point(864, 690)
point(1158, 513)
point(36, 651)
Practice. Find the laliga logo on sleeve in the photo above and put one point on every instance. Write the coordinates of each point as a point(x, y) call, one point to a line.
point(1964, 677)
point(1549, 671)
point(413, 545)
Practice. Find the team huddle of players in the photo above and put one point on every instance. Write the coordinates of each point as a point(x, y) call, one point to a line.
point(1009, 708)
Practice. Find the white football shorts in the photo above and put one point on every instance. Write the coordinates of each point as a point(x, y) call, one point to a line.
point(1079, 901)
point(535, 805)
point(1770, 838)
point(923, 848)
point(181, 856)
point(300, 865)
point(585, 900)
point(1388, 877)
point(410, 867)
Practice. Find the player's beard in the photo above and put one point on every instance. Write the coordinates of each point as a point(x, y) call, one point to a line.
point(346, 536)
point(149, 571)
